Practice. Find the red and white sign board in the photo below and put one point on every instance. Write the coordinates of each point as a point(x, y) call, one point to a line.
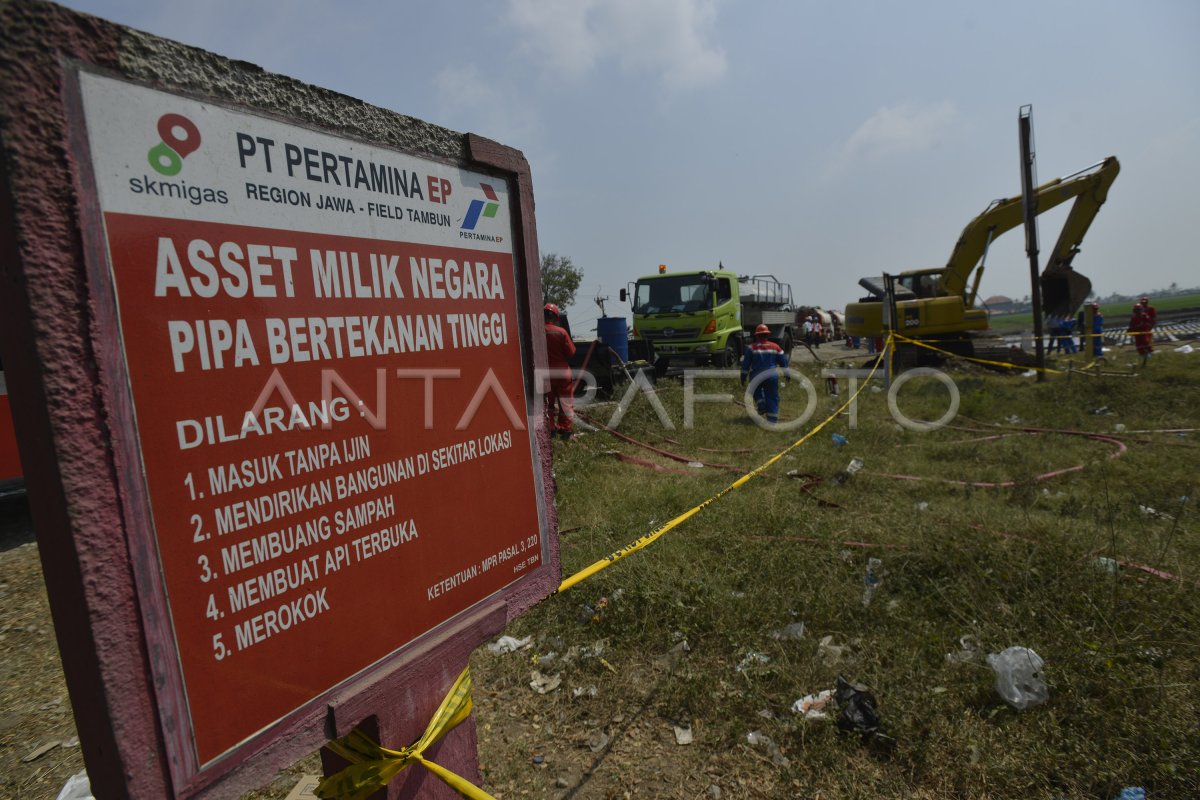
point(320, 350)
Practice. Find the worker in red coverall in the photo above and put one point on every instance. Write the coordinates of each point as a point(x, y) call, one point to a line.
point(1141, 323)
point(560, 406)
point(763, 355)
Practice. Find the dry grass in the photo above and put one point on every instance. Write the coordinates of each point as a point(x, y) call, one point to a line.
point(1008, 566)
point(1012, 566)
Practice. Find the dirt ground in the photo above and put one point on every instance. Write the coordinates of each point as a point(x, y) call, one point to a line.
point(38, 746)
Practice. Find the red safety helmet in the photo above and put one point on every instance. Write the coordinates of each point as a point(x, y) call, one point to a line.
point(762, 330)
point(1095, 305)
point(1145, 301)
point(550, 311)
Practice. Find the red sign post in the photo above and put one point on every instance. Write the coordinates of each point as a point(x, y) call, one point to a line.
point(320, 479)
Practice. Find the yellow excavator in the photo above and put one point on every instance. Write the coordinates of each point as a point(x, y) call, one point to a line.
point(939, 304)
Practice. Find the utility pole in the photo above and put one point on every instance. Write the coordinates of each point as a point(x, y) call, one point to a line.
point(889, 327)
point(1025, 124)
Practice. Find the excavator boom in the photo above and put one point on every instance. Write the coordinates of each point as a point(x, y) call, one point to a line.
point(1063, 289)
point(938, 302)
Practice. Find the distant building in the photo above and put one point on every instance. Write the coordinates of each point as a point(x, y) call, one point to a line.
point(999, 304)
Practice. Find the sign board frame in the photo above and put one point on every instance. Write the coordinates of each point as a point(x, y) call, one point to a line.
point(74, 412)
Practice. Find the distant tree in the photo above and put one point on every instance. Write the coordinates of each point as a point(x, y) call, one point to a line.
point(560, 280)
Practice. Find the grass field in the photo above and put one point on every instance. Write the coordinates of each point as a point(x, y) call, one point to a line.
point(1012, 323)
point(1006, 566)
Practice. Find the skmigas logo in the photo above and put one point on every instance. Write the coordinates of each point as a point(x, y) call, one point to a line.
point(180, 138)
point(480, 208)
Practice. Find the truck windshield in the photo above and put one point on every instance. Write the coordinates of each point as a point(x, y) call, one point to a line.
point(675, 293)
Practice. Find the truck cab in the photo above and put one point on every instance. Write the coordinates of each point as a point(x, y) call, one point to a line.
point(689, 317)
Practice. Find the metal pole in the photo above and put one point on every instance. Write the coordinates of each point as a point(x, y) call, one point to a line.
point(1025, 123)
point(889, 326)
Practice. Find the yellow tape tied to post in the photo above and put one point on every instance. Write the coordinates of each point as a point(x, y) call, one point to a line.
point(372, 766)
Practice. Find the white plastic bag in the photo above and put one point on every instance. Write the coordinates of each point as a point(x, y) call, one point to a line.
point(77, 787)
point(1019, 677)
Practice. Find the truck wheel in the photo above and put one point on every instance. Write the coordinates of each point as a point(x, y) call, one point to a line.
point(726, 358)
point(788, 344)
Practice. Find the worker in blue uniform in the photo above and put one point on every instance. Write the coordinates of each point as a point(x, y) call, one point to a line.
point(764, 356)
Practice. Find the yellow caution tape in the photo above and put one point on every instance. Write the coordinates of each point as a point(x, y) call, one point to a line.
point(373, 766)
point(653, 536)
point(1005, 364)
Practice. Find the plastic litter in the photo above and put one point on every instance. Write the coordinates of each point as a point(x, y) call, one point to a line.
point(77, 787)
point(1019, 677)
point(1132, 793)
point(859, 712)
point(789, 632)
point(682, 735)
point(38, 752)
point(1012, 419)
point(871, 580)
point(671, 658)
point(815, 706)
point(1187, 348)
point(831, 654)
point(1119, 427)
point(598, 741)
point(922, 506)
point(759, 739)
point(509, 644)
point(839, 441)
point(544, 683)
point(969, 651)
point(752, 658)
point(1108, 565)
point(850, 471)
point(584, 691)
point(695, 465)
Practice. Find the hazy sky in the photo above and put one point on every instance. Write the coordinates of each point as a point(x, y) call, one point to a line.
point(819, 142)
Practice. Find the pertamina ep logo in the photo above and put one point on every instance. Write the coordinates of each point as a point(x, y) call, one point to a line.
point(481, 208)
point(179, 138)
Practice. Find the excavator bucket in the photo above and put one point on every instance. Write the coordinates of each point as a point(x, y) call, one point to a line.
point(1063, 291)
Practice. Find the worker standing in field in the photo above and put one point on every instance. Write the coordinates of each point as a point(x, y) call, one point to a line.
point(764, 356)
point(1097, 330)
point(1142, 323)
point(560, 406)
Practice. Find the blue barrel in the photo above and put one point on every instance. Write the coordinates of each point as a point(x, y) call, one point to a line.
point(614, 333)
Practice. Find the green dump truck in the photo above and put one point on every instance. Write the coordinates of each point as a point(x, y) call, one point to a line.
point(708, 316)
